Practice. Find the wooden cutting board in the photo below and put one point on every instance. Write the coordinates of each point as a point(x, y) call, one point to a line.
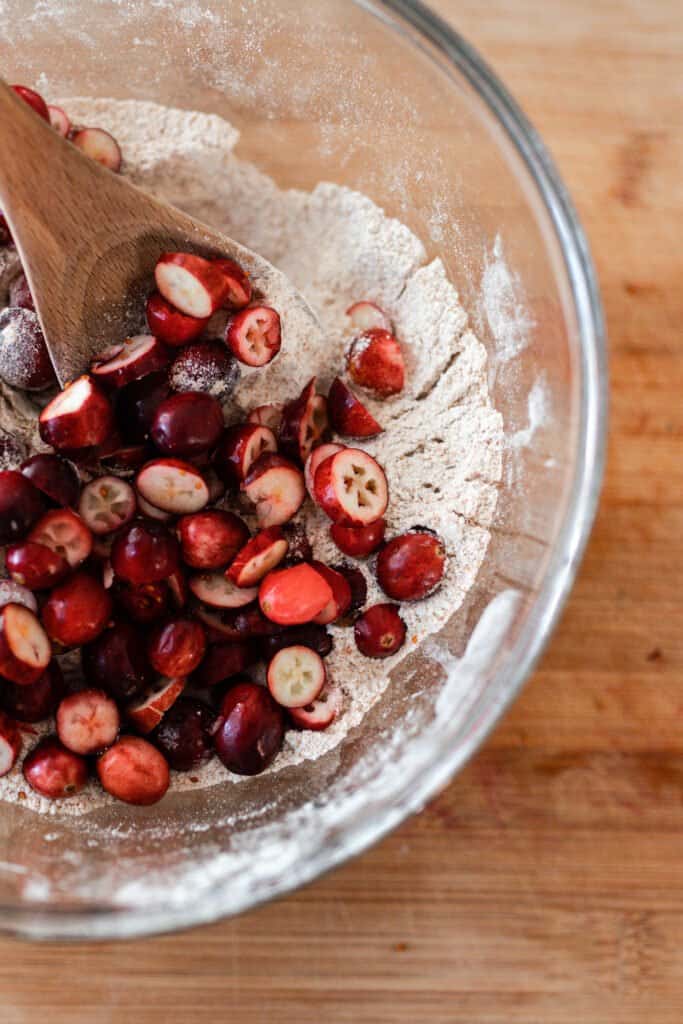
point(545, 886)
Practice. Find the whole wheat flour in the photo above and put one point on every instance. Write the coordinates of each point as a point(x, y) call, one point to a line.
point(442, 448)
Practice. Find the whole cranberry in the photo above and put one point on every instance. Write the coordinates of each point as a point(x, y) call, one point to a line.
point(77, 611)
point(144, 602)
point(211, 539)
point(21, 505)
point(206, 366)
point(116, 661)
point(144, 552)
point(358, 541)
point(250, 730)
point(411, 566)
point(24, 360)
point(220, 662)
point(55, 477)
point(137, 403)
point(53, 771)
point(185, 735)
point(37, 701)
point(380, 631)
point(187, 425)
point(134, 771)
point(34, 100)
point(176, 648)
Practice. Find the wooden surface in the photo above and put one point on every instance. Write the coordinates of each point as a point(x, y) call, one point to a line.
point(546, 884)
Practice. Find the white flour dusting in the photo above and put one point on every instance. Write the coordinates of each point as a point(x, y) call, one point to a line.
point(442, 450)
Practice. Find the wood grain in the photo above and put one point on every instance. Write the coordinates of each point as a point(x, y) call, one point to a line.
point(545, 886)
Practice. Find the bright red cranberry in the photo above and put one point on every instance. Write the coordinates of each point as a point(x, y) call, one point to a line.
point(310, 635)
point(176, 648)
point(304, 421)
point(21, 505)
point(10, 743)
point(77, 611)
point(144, 552)
point(351, 488)
point(170, 325)
point(187, 425)
point(78, 418)
point(35, 565)
point(251, 729)
point(254, 335)
point(358, 541)
point(293, 596)
point(35, 702)
point(210, 540)
point(380, 631)
point(185, 735)
point(34, 100)
point(348, 415)
point(55, 477)
point(143, 602)
point(205, 366)
point(411, 566)
point(117, 662)
point(87, 721)
point(53, 771)
point(134, 771)
point(20, 293)
point(340, 602)
point(137, 403)
point(220, 662)
point(375, 361)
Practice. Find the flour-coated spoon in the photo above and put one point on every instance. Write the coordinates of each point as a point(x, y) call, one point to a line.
point(89, 242)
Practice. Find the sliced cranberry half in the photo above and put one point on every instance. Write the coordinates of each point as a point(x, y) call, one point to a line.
point(10, 743)
point(106, 504)
point(195, 286)
point(133, 358)
point(25, 650)
point(261, 554)
point(304, 421)
point(296, 675)
point(293, 596)
point(59, 120)
point(276, 487)
point(100, 146)
point(79, 417)
point(351, 488)
point(146, 712)
point(239, 448)
point(237, 282)
point(317, 456)
point(87, 721)
point(375, 361)
point(218, 592)
point(65, 533)
point(348, 415)
point(320, 713)
point(173, 485)
point(254, 335)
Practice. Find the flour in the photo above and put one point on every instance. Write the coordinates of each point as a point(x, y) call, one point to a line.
point(443, 445)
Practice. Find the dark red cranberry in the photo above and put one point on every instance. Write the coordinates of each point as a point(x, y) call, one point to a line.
point(37, 701)
point(222, 661)
point(137, 403)
point(53, 771)
point(380, 631)
point(20, 293)
point(185, 735)
point(77, 611)
point(36, 566)
point(311, 635)
point(144, 552)
point(21, 505)
point(117, 662)
point(211, 539)
point(55, 477)
point(176, 648)
point(356, 580)
point(24, 359)
point(205, 366)
point(145, 602)
point(410, 567)
point(187, 425)
point(358, 541)
point(251, 729)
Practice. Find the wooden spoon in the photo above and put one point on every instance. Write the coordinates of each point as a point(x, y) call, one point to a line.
point(89, 242)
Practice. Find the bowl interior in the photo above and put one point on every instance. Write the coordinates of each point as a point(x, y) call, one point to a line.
point(382, 98)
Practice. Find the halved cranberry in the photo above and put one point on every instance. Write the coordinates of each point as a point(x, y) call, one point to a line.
point(177, 647)
point(251, 729)
point(218, 592)
point(117, 662)
point(106, 504)
point(410, 567)
point(79, 417)
point(261, 554)
point(77, 611)
point(380, 631)
point(205, 366)
point(254, 335)
point(148, 710)
point(10, 743)
point(266, 416)
point(318, 455)
point(172, 485)
point(237, 282)
point(276, 487)
point(170, 325)
point(87, 721)
point(100, 146)
point(144, 552)
point(293, 596)
point(65, 533)
point(35, 565)
point(365, 315)
point(358, 541)
point(15, 593)
point(321, 712)
point(304, 422)
point(59, 120)
point(210, 540)
point(187, 425)
point(296, 675)
point(21, 505)
point(131, 359)
point(24, 359)
point(221, 662)
point(185, 735)
point(34, 100)
point(25, 650)
point(340, 602)
point(239, 448)
point(54, 476)
point(195, 286)
point(375, 361)
point(37, 701)
point(137, 403)
point(351, 488)
point(348, 415)
point(143, 602)
point(134, 771)
point(53, 771)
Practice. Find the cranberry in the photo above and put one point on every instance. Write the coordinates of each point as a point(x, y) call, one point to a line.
point(358, 541)
point(356, 580)
point(53, 771)
point(134, 771)
point(170, 325)
point(294, 596)
point(340, 602)
point(87, 721)
point(240, 446)
point(176, 648)
point(220, 663)
point(185, 735)
point(348, 415)
point(54, 476)
point(210, 540)
point(117, 662)
point(251, 729)
point(144, 602)
point(34, 100)
point(37, 701)
point(411, 566)
point(311, 635)
point(20, 293)
point(187, 425)
point(10, 743)
point(137, 403)
point(79, 419)
point(77, 611)
point(21, 505)
point(375, 361)
point(144, 552)
point(205, 366)
point(35, 565)
point(380, 631)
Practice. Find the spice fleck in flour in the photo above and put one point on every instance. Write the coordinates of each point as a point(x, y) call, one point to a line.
point(442, 449)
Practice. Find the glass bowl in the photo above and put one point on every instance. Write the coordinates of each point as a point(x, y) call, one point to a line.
point(386, 98)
